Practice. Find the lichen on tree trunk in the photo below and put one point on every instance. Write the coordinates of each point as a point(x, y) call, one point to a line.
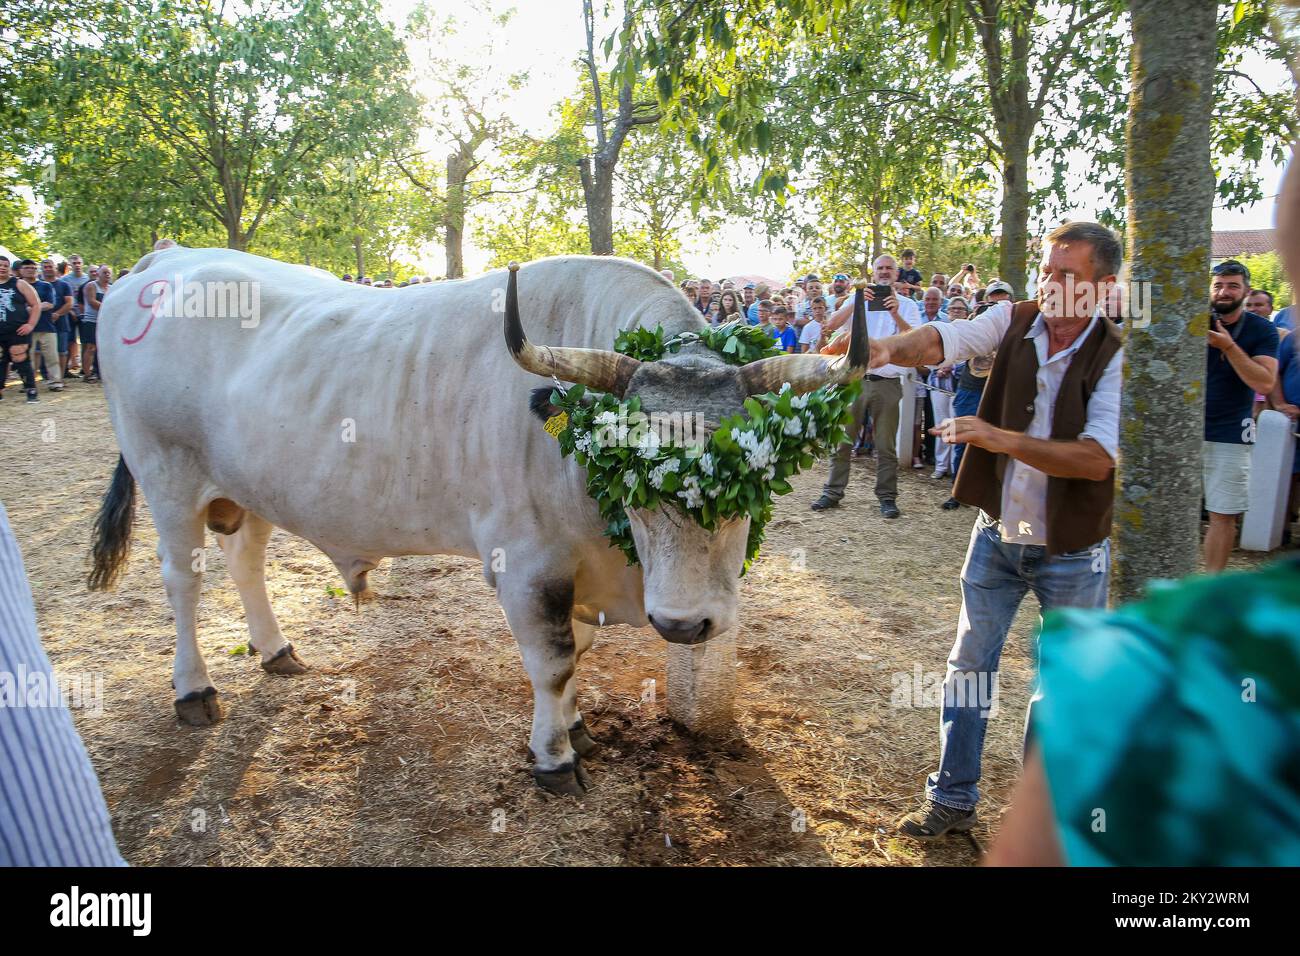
point(1170, 185)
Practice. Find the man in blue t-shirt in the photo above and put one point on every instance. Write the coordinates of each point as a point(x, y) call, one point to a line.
point(1241, 359)
point(45, 337)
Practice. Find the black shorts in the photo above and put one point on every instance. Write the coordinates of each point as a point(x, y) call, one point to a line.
point(86, 332)
point(9, 336)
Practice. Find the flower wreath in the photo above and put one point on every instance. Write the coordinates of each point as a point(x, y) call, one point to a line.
point(734, 472)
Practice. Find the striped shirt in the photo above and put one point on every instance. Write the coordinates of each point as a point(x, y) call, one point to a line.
point(52, 812)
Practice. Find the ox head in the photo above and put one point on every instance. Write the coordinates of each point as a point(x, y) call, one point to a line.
point(691, 576)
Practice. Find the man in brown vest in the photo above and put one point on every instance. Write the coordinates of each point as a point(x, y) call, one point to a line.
point(1039, 465)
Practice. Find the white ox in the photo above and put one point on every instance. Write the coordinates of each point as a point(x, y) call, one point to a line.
point(376, 423)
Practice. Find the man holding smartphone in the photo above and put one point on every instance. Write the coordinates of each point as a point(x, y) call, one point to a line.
point(887, 314)
point(1241, 360)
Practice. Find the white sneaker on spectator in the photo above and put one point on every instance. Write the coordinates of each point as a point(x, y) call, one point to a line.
point(938, 474)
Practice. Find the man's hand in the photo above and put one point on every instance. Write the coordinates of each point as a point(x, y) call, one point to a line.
point(26, 329)
point(970, 429)
point(1290, 411)
point(891, 304)
point(1219, 337)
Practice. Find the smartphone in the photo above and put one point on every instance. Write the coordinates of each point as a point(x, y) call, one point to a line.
point(879, 294)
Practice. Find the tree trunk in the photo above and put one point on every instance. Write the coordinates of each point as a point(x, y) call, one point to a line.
point(361, 258)
point(1014, 118)
point(453, 217)
point(1170, 185)
point(236, 237)
point(1015, 213)
point(598, 193)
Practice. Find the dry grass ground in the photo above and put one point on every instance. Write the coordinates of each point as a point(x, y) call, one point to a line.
point(406, 742)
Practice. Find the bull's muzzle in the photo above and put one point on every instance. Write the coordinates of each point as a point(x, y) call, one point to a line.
point(683, 631)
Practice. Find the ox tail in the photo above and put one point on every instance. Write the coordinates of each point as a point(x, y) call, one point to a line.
point(112, 544)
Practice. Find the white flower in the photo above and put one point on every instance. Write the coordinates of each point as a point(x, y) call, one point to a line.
point(629, 478)
point(811, 428)
point(657, 474)
point(800, 402)
point(706, 464)
point(606, 417)
point(758, 452)
point(649, 444)
point(713, 491)
point(785, 387)
point(735, 434)
point(793, 426)
point(770, 473)
point(690, 492)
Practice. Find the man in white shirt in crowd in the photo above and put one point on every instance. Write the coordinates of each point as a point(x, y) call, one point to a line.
point(881, 391)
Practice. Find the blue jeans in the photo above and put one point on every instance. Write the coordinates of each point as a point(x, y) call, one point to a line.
point(994, 581)
point(965, 402)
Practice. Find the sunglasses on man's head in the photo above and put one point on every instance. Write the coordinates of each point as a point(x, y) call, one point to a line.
point(1231, 269)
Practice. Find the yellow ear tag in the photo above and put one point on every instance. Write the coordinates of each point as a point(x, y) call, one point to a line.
point(556, 424)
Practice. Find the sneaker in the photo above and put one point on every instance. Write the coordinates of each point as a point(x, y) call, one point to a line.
point(56, 387)
point(917, 463)
point(937, 474)
point(889, 509)
point(824, 502)
point(32, 397)
point(933, 820)
point(952, 504)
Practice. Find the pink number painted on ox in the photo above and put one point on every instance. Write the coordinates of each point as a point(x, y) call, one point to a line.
point(153, 308)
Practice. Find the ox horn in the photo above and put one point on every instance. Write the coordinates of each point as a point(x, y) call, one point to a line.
point(595, 368)
point(807, 373)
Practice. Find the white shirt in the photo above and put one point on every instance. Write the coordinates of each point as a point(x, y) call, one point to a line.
point(882, 325)
point(1024, 488)
point(811, 335)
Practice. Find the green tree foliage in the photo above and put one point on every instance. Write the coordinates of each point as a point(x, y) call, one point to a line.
point(212, 113)
point(879, 147)
point(1266, 272)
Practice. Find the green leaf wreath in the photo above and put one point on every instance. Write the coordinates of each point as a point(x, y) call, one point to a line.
point(735, 472)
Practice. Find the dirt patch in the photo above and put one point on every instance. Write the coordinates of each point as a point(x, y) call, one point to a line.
point(406, 743)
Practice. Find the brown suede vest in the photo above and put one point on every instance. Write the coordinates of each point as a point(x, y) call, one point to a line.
point(1078, 509)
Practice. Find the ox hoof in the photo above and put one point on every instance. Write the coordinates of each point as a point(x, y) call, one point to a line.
point(200, 708)
point(565, 780)
point(581, 741)
point(285, 663)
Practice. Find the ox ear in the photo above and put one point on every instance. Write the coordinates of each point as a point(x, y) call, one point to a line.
point(539, 403)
